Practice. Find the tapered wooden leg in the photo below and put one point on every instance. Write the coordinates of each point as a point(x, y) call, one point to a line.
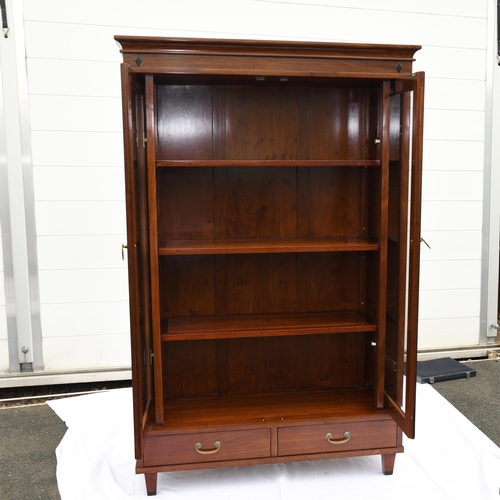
point(388, 464)
point(151, 480)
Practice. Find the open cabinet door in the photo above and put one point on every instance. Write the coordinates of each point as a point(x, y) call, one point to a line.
point(138, 253)
point(403, 254)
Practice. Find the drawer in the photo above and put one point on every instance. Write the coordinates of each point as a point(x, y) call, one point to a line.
point(203, 447)
point(313, 438)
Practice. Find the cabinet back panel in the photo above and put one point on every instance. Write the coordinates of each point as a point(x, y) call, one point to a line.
point(187, 285)
point(260, 284)
point(185, 203)
point(261, 365)
point(330, 202)
point(331, 122)
point(237, 122)
point(259, 202)
point(328, 282)
point(245, 284)
point(184, 122)
point(189, 368)
point(236, 203)
point(261, 123)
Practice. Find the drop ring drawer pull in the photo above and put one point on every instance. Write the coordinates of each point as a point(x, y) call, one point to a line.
point(216, 448)
point(347, 436)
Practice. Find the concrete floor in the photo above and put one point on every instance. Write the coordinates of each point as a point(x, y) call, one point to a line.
point(478, 398)
point(30, 434)
point(28, 437)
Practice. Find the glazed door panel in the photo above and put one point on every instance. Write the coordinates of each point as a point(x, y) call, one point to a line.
point(405, 185)
point(138, 253)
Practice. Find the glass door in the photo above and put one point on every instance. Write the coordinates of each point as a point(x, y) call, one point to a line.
point(403, 253)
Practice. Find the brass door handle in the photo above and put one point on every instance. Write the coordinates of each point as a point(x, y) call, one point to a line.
point(329, 438)
point(198, 447)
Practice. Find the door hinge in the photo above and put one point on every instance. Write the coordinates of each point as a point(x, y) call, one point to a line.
point(151, 356)
point(144, 140)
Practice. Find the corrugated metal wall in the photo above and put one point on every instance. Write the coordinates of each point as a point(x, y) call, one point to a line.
point(74, 98)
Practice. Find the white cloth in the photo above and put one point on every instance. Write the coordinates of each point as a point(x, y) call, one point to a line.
point(450, 458)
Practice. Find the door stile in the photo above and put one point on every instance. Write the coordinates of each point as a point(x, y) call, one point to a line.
point(153, 248)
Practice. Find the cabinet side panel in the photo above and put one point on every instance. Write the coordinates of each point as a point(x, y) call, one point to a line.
point(184, 122)
point(261, 123)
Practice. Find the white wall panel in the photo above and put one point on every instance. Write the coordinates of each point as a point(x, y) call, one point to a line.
point(81, 252)
point(91, 319)
point(92, 149)
point(271, 19)
point(83, 114)
point(77, 78)
point(3, 322)
point(454, 125)
point(2, 290)
point(452, 186)
point(445, 7)
point(443, 93)
point(87, 285)
point(452, 215)
point(450, 274)
point(451, 245)
point(81, 218)
point(4, 356)
point(79, 183)
point(75, 353)
point(74, 86)
point(452, 62)
point(449, 304)
point(453, 155)
point(447, 333)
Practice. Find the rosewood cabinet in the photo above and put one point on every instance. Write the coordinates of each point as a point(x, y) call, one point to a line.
point(273, 208)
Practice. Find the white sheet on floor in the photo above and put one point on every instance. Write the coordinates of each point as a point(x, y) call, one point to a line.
point(450, 458)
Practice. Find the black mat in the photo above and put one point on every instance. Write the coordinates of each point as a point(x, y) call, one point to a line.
point(442, 369)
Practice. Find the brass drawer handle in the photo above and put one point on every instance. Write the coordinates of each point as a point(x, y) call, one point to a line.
point(347, 436)
point(216, 448)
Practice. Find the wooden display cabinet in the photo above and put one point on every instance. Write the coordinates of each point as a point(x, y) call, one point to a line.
point(273, 211)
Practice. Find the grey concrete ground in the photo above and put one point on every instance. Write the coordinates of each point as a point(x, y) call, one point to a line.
point(28, 437)
point(30, 434)
point(478, 398)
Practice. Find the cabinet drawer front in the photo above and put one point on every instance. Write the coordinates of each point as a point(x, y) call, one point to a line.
point(206, 447)
point(313, 438)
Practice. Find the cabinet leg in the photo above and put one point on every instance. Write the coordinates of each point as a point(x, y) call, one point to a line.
point(151, 480)
point(388, 464)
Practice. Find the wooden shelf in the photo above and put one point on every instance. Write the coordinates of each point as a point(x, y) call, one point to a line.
point(268, 163)
point(265, 409)
point(247, 246)
point(223, 327)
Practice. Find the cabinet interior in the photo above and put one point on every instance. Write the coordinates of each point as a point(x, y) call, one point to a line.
point(268, 210)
